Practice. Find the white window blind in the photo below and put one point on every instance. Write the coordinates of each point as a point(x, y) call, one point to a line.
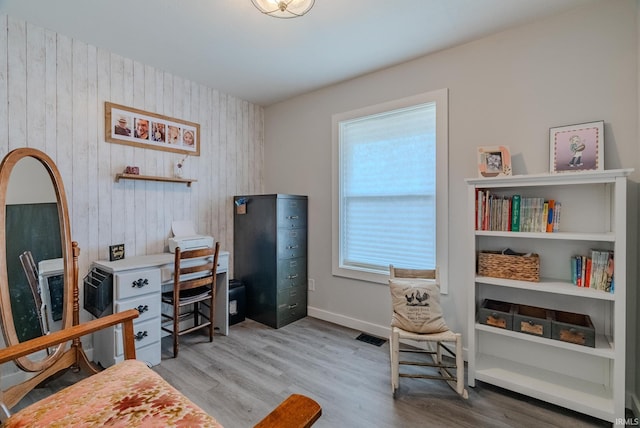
point(387, 189)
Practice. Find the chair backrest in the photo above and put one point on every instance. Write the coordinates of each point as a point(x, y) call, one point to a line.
point(414, 273)
point(195, 268)
point(31, 272)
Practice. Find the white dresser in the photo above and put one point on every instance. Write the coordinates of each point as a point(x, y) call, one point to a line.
point(137, 283)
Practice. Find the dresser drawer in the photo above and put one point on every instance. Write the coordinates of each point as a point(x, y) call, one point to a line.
point(148, 305)
point(292, 243)
point(130, 284)
point(292, 297)
point(293, 305)
point(149, 354)
point(292, 212)
point(145, 333)
point(292, 273)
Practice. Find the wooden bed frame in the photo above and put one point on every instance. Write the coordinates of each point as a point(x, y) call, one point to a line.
point(297, 411)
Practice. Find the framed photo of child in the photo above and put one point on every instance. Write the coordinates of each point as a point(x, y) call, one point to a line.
point(577, 147)
point(494, 161)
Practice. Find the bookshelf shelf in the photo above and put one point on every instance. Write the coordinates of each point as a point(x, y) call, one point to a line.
point(552, 286)
point(581, 378)
point(564, 236)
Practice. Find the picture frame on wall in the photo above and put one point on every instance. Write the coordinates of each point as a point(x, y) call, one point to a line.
point(139, 128)
point(494, 161)
point(578, 147)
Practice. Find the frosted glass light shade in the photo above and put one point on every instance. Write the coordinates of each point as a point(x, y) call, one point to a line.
point(283, 8)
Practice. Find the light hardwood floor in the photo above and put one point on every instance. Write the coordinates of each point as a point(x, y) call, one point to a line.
point(239, 378)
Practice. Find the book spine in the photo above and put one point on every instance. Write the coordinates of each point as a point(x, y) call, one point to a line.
point(543, 217)
point(579, 271)
point(587, 273)
point(556, 216)
point(552, 204)
point(515, 213)
point(609, 286)
point(574, 270)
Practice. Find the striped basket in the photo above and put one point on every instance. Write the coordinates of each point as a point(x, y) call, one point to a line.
point(497, 265)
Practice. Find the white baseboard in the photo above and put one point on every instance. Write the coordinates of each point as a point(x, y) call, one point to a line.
point(356, 324)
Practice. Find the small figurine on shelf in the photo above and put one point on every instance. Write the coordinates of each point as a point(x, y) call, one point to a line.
point(179, 166)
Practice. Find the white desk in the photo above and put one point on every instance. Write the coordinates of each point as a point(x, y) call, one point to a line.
point(155, 274)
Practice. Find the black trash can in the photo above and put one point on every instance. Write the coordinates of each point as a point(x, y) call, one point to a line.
point(237, 302)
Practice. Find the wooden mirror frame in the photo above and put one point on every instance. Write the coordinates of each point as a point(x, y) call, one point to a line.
point(8, 326)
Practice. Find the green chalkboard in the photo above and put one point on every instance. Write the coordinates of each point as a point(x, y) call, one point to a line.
point(32, 227)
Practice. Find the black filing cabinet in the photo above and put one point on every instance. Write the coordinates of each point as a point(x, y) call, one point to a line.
point(270, 256)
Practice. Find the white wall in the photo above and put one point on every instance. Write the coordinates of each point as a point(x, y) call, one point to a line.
point(52, 94)
point(506, 89)
point(55, 88)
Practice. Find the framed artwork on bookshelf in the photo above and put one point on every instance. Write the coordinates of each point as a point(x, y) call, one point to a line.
point(577, 147)
point(494, 161)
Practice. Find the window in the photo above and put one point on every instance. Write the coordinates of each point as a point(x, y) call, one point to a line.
point(390, 187)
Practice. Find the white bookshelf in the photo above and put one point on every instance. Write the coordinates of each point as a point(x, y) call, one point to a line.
point(585, 379)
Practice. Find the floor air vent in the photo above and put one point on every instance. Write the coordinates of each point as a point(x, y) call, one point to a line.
point(370, 339)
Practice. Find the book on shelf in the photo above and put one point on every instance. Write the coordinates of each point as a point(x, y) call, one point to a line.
point(552, 204)
point(595, 271)
point(556, 216)
point(515, 213)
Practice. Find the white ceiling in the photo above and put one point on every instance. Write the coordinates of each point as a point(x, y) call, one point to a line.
point(228, 45)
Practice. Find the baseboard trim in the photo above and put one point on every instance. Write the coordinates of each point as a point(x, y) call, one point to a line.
point(356, 324)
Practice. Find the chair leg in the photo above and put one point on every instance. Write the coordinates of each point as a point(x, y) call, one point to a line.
point(460, 389)
point(394, 344)
point(212, 310)
point(176, 325)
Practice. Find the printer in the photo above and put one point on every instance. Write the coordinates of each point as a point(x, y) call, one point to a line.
point(190, 242)
point(185, 237)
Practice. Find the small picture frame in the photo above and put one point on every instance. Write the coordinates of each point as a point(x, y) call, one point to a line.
point(494, 161)
point(116, 252)
point(577, 147)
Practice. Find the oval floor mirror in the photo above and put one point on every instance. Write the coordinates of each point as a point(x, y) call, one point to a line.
point(38, 270)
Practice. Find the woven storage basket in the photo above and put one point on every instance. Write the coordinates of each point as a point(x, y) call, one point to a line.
point(497, 265)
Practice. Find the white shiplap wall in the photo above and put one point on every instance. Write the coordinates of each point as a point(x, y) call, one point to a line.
point(52, 94)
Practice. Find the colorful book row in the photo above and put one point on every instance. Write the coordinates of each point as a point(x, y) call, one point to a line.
point(595, 271)
point(516, 213)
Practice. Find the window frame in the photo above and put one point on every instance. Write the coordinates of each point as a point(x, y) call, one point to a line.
point(440, 97)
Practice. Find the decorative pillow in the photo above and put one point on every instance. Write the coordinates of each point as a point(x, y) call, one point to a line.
point(416, 305)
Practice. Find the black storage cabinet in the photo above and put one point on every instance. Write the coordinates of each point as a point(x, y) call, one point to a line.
point(270, 256)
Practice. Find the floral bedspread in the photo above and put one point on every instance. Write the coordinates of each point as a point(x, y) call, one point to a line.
point(127, 394)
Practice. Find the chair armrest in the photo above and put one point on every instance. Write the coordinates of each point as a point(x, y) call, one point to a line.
point(30, 346)
point(297, 411)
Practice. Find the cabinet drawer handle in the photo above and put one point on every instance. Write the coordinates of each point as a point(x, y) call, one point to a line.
point(292, 247)
point(292, 276)
point(293, 306)
point(142, 308)
point(140, 283)
point(140, 335)
point(293, 217)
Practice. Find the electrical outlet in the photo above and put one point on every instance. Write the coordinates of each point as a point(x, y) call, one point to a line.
point(312, 284)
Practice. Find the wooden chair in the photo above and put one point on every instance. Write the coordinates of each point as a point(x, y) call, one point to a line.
point(31, 272)
point(194, 289)
point(431, 344)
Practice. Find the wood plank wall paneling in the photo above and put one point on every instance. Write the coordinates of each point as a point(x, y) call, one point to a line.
point(53, 90)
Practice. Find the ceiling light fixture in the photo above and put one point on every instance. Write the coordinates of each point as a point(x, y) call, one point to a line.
point(284, 8)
